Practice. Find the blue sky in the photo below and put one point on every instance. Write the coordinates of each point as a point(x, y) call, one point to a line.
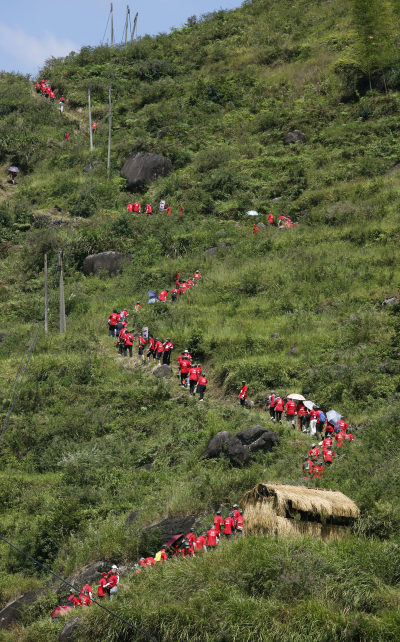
point(33, 30)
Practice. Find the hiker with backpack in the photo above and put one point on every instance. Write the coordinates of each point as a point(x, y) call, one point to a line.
point(168, 347)
point(202, 385)
point(128, 343)
point(308, 466)
point(271, 403)
point(242, 396)
point(290, 408)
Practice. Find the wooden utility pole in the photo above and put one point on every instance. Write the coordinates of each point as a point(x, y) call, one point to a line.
point(128, 11)
point(112, 25)
point(63, 324)
point(109, 132)
point(134, 27)
point(90, 123)
point(46, 298)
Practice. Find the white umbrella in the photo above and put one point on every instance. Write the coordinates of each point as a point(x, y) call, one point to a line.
point(296, 397)
point(252, 213)
point(309, 405)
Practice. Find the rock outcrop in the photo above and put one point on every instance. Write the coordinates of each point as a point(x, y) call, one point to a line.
point(111, 262)
point(141, 168)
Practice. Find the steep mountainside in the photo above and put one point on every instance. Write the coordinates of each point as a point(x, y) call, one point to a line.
point(93, 437)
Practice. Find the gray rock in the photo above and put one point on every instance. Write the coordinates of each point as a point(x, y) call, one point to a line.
point(162, 371)
point(275, 335)
point(111, 262)
point(132, 516)
point(68, 634)
point(13, 611)
point(262, 226)
point(225, 442)
point(295, 136)
point(266, 442)
point(212, 251)
point(46, 220)
point(248, 435)
point(391, 301)
point(293, 350)
point(141, 168)
point(170, 527)
point(147, 467)
point(89, 575)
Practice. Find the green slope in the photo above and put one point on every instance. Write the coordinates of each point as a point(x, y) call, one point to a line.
point(217, 98)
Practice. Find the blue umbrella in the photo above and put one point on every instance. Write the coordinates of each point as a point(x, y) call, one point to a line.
point(152, 296)
point(13, 169)
point(333, 417)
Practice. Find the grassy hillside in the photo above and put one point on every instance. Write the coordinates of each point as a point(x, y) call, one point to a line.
point(285, 310)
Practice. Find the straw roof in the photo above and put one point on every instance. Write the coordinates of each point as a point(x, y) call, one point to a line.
point(325, 503)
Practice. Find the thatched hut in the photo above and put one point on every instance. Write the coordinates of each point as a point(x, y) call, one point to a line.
point(293, 511)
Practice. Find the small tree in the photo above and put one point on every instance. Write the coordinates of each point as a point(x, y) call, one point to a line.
point(375, 43)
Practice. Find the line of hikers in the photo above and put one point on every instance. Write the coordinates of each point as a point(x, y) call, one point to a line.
point(284, 222)
point(191, 544)
point(44, 88)
point(136, 208)
point(108, 586)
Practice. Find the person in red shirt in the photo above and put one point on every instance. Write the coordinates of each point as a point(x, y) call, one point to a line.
point(314, 452)
point(38, 87)
point(150, 561)
point(159, 349)
point(148, 209)
point(348, 436)
point(168, 347)
point(218, 521)
point(151, 347)
point(185, 355)
point(102, 582)
point(193, 377)
point(112, 323)
point(339, 438)
point(343, 425)
point(301, 411)
point(255, 229)
point(229, 526)
point(196, 275)
point(84, 600)
point(66, 136)
point(162, 555)
point(181, 210)
point(52, 96)
point(62, 99)
point(137, 306)
point(318, 469)
point(200, 543)
point(270, 218)
point(128, 343)
point(183, 287)
point(169, 210)
point(212, 537)
point(184, 366)
point(163, 296)
point(319, 425)
point(290, 408)
point(190, 283)
point(129, 207)
point(243, 394)
point(313, 421)
point(307, 467)
point(86, 588)
point(239, 524)
point(142, 343)
point(198, 370)
point(235, 512)
point(188, 550)
point(278, 407)
point(113, 581)
point(190, 537)
point(94, 127)
point(202, 385)
point(327, 442)
point(136, 207)
point(328, 455)
point(329, 429)
point(72, 599)
point(174, 294)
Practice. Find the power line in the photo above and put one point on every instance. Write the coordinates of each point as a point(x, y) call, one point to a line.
point(48, 570)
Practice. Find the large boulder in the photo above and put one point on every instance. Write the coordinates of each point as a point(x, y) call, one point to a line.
point(162, 371)
point(13, 611)
point(111, 262)
point(68, 634)
point(141, 168)
point(225, 442)
point(294, 137)
point(248, 435)
point(167, 528)
point(258, 438)
point(391, 301)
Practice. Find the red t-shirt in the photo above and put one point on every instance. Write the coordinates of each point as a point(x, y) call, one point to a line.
point(159, 347)
point(150, 561)
point(136, 207)
point(129, 207)
point(193, 376)
point(200, 543)
point(290, 407)
point(270, 218)
point(212, 537)
point(243, 392)
point(328, 454)
point(229, 525)
point(218, 521)
point(100, 591)
point(163, 295)
point(202, 381)
point(314, 452)
point(168, 210)
point(184, 366)
point(278, 405)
